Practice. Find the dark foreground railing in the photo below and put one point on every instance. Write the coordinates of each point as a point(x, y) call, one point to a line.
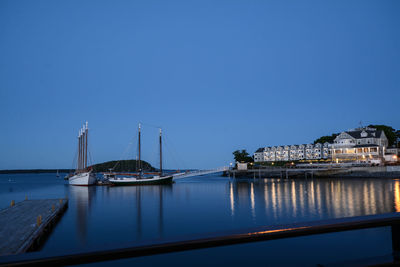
point(221, 239)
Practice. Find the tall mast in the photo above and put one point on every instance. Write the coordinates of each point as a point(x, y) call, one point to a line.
point(79, 150)
point(81, 161)
point(140, 164)
point(83, 147)
point(160, 154)
point(86, 144)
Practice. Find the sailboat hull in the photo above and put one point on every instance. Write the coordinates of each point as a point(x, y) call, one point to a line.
point(143, 181)
point(83, 179)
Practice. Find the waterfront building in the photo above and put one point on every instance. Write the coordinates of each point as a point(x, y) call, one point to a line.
point(279, 153)
point(259, 155)
point(309, 151)
point(293, 153)
point(273, 154)
point(393, 151)
point(285, 153)
point(316, 151)
point(301, 152)
point(326, 151)
point(361, 144)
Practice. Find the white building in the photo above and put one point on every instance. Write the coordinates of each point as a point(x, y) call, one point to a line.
point(259, 155)
point(326, 151)
point(292, 152)
point(361, 144)
point(301, 152)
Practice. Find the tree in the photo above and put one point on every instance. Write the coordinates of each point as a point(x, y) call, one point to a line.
point(391, 134)
point(326, 138)
point(242, 156)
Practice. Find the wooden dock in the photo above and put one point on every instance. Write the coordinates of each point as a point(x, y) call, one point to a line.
point(25, 225)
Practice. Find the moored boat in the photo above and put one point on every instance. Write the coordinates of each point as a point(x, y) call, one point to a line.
point(84, 178)
point(142, 181)
point(139, 180)
point(83, 175)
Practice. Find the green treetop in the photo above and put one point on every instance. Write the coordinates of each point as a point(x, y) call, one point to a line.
point(242, 156)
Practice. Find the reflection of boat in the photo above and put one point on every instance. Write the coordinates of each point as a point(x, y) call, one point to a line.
point(157, 179)
point(82, 176)
point(81, 198)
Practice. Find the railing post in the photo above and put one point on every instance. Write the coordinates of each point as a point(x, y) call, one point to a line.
point(396, 241)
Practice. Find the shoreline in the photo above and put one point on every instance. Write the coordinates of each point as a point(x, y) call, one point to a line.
point(351, 172)
point(35, 171)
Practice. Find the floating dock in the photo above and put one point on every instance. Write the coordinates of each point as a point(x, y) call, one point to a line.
point(25, 225)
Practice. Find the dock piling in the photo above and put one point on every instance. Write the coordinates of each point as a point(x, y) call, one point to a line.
point(39, 220)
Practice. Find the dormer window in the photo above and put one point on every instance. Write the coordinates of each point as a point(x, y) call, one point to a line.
point(364, 134)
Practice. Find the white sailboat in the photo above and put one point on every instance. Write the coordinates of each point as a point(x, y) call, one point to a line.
point(157, 179)
point(83, 175)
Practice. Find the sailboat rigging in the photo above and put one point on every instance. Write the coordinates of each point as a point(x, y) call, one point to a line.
point(140, 179)
point(83, 175)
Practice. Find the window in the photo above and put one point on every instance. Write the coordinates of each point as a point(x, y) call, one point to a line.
point(373, 149)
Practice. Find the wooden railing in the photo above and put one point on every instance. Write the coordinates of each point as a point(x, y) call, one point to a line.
point(221, 239)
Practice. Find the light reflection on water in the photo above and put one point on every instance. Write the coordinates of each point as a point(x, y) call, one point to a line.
point(105, 217)
point(315, 199)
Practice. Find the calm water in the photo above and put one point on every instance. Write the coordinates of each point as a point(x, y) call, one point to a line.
point(102, 217)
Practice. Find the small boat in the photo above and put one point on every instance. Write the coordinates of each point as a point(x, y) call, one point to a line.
point(140, 180)
point(83, 175)
point(58, 175)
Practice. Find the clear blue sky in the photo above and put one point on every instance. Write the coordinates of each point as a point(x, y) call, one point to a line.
point(216, 75)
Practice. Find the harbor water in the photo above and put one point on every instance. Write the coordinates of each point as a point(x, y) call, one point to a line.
point(103, 217)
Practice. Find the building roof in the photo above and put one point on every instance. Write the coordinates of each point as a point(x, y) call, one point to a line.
point(370, 134)
point(261, 149)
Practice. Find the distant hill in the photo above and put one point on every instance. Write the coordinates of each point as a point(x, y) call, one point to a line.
point(122, 166)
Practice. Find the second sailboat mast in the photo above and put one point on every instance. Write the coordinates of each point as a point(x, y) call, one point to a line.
point(160, 154)
point(140, 164)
